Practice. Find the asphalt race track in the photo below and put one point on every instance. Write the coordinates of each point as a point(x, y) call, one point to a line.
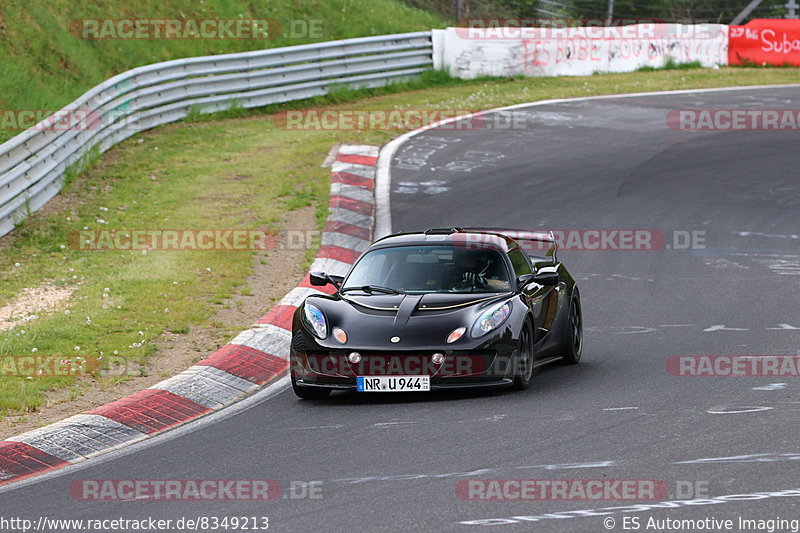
point(392, 464)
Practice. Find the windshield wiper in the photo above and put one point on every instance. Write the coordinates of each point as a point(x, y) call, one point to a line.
point(369, 289)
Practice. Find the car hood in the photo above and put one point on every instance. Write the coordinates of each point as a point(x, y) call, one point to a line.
point(418, 320)
point(418, 303)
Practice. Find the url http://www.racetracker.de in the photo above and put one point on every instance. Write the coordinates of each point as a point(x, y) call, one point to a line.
point(200, 523)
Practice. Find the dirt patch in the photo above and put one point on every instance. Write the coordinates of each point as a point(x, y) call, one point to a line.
point(31, 302)
point(274, 274)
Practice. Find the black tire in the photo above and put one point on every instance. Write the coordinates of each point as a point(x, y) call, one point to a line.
point(574, 341)
point(523, 359)
point(309, 393)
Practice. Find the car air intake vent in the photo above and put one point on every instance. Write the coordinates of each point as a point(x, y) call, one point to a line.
point(442, 231)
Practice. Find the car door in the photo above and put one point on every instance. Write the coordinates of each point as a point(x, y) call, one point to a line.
point(543, 300)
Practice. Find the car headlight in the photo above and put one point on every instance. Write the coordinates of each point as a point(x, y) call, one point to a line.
point(490, 319)
point(315, 320)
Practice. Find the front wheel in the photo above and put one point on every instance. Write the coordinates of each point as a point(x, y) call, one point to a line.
point(309, 393)
point(574, 341)
point(523, 360)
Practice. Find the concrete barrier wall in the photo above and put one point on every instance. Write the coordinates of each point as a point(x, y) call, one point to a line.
point(471, 52)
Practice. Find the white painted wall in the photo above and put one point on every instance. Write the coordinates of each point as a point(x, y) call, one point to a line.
point(470, 52)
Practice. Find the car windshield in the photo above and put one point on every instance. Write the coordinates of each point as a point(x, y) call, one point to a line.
point(430, 269)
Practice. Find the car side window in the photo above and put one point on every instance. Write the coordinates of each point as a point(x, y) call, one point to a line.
point(519, 262)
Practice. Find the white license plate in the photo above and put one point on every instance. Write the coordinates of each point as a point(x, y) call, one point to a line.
point(393, 383)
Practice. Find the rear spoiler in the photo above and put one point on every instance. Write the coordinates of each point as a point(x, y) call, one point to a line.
point(527, 236)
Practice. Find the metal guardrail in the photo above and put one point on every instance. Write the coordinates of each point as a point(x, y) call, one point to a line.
point(33, 164)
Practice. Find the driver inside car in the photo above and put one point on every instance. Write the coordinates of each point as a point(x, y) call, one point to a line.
point(478, 271)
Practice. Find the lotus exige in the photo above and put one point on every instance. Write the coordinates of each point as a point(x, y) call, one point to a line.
point(440, 309)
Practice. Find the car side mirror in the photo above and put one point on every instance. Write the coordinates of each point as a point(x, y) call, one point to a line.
point(320, 279)
point(546, 276)
point(524, 279)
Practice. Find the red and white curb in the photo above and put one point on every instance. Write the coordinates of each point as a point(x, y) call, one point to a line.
point(253, 359)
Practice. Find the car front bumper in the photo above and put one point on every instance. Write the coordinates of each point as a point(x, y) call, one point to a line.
point(488, 363)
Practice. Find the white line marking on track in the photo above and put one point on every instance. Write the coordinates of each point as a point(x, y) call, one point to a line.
point(334, 426)
point(495, 418)
point(638, 329)
point(768, 235)
point(479, 472)
point(633, 508)
point(618, 408)
point(572, 466)
point(771, 386)
point(722, 327)
point(749, 458)
point(400, 423)
point(737, 410)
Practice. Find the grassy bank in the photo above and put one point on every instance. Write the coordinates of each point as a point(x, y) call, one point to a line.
point(46, 62)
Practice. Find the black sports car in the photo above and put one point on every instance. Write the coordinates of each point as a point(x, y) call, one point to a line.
point(439, 309)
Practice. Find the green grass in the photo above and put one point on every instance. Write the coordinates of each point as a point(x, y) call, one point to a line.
point(187, 176)
point(45, 64)
point(222, 173)
point(671, 64)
